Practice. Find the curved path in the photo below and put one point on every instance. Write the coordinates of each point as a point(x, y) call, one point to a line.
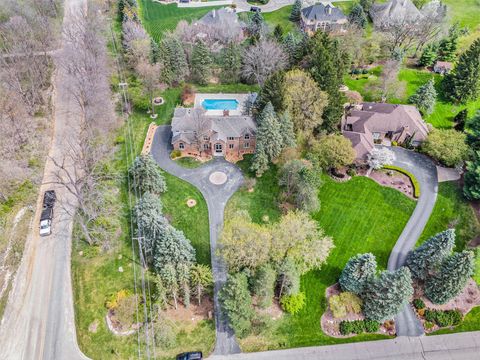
point(216, 197)
point(426, 173)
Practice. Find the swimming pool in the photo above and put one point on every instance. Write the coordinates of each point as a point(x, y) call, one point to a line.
point(220, 104)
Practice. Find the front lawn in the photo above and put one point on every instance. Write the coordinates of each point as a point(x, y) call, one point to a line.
point(360, 215)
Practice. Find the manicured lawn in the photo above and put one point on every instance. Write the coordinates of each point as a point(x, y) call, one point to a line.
point(361, 82)
point(158, 18)
point(360, 215)
point(467, 13)
point(451, 209)
point(280, 17)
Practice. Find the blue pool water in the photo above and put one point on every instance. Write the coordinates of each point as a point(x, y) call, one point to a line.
point(220, 104)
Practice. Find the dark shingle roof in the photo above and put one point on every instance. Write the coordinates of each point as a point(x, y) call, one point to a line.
point(322, 12)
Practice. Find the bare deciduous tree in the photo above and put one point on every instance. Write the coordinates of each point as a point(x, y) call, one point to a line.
point(388, 85)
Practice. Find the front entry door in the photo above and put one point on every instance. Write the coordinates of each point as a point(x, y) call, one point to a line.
point(218, 149)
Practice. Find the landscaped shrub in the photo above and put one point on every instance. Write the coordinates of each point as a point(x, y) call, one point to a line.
point(175, 154)
point(293, 303)
point(357, 272)
point(358, 327)
point(444, 318)
point(428, 325)
point(371, 326)
point(418, 304)
point(413, 179)
point(344, 303)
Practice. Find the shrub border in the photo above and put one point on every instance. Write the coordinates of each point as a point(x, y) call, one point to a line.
point(413, 179)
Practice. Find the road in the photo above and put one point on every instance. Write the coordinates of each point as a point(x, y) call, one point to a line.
point(216, 197)
point(406, 322)
point(39, 320)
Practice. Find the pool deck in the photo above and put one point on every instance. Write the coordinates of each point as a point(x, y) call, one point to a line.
point(218, 96)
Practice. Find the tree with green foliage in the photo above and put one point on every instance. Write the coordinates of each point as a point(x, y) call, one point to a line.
point(260, 160)
point(359, 270)
point(333, 151)
point(146, 175)
point(256, 25)
point(201, 279)
point(278, 33)
point(473, 131)
point(460, 120)
point(272, 91)
point(471, 186)
point(183, 274)
point(462, 84)
point(201, 63)
point(447, 146)
point(120, 8)
point(173, 59)
point(425, 97)
point(328, 64)
point(295, 14)
point(230, 64)
point(169, 278)
point(367, 4)
point(300, 181)
point(448, 46)
point(429, 55)
point(237, 303)
point(288, 278)
point(384, 296)
point(286, 129)
point(292, 304)
point(358, 17)
point(161, 296)
point(292, 45)
point(428, 256)
point(154, 51)
point(451, 278)
point(263, 285)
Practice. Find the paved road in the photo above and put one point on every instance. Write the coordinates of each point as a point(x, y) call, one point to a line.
point(425, 171)
point(39, 320)
point(216, 197)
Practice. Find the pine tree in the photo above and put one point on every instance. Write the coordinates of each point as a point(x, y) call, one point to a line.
point(183, 273)
point(429, 55)
point(291, 45)
point(268, 133)
point(471, 187)
point(460, 120)
point(174, 60)
point(430, 254)
point(201, 278)
point(168, 276)
point(272, 91)
point(448, 46)
point(451, 279)
point(463, 82)
point(278, 33)
point(358, 271)
point(237, 303)
point(425, 97)
point(473, 131)
point(296, 11)
point(386, 295)
point(286, 130)
point(154, 51)
point(201, 63)
point(260, 160)
point(256, 25)
point(263, 285)
point(120, 8)
point(146, 175)
point(366, 5)
point(231, 61)
point(357, 16)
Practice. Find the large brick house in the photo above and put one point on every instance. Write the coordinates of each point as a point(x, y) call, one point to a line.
point(368, 124)
point(324, 17)
point(198, 134)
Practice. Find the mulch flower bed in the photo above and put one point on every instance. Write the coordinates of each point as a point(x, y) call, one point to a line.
point(394, 180)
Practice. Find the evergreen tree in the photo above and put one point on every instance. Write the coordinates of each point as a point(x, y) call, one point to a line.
point(286, 130)
point(120, 8)
point(268, 133)
point(230, 64)
point(473, 131)
point(260, 160)
point(357, 16)
point(358, 271)
point(451, 279)
point(366, 5)
point(291, 45)
point(429, 55)
point(328, 65)
point(237, 303)
point(201, 63)
point(201, 278)
point(256, 25)
point(169, 278)
point(174, 60)
point(425, 97)
point(295, 14)
point(146, 175)
point(386, 295)
point(448, 46)
point(263, 285)
point(471, 187)
point(154, 51)
point(460, 119)
point(183, 273)
point(463, 82)
point(272, 91)
point(278, 33)
point(430, 254)
point(288, 278)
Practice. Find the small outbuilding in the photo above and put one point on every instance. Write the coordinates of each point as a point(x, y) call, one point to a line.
point(442, 67)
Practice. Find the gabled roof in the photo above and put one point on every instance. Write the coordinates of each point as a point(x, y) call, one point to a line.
point(443, 64)
point(219, 16)
point(323, 12)
point(394, 11)
point(187, 121)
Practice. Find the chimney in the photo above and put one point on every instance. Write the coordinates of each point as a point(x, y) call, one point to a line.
point(226, 112)
point(214, 13)
point(329, 10)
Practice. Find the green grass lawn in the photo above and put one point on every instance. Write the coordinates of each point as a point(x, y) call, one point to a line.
point(360, 215)
point(451, 209)
point(467, 13)
point(280, 17)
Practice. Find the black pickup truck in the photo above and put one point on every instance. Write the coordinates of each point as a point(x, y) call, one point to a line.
point(46, 216)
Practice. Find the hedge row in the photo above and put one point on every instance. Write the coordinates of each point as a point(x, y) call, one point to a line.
point(444, 318)
point(413, 179)
point(358, 327)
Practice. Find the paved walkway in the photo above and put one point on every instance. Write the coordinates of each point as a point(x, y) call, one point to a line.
point(425, 171)
point(216, 197)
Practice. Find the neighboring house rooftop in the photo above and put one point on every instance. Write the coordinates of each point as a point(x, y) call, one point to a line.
point(394, 11)
point(323, 12)
point(444, 65)
point(219, 16)
point(400, 121)
point(187, 121)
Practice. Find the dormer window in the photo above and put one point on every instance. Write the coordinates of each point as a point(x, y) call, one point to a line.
point(230, 138)
point(206, 138)
point(181, 146)
point(247, 137)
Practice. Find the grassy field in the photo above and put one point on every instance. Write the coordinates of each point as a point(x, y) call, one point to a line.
point(360, 215)
point(451, 209)
point(467, 13)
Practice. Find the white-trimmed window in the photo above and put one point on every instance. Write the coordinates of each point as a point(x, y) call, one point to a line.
point(231, 146)
point(246, 145)
point(181, 146)
point(206, 146)
point(230, 138)
point(376, 136)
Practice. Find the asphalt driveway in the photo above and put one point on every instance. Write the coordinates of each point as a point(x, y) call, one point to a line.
point(216, 197)
point(426, 173)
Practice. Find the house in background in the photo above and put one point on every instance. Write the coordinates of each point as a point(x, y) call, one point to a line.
point(442, 67)
point(220, 25)
point(324, 17)
point(197, 133)
point(368, 124)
